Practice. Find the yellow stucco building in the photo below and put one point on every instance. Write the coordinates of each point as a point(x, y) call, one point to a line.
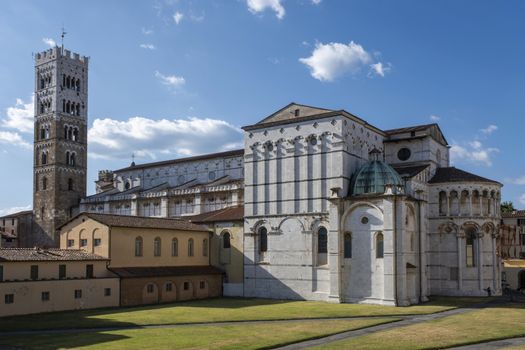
point(157, 259)
point(45, 280)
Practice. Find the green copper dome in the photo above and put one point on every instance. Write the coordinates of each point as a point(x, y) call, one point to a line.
point(372, 177)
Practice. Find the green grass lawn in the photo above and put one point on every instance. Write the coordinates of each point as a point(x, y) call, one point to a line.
point(473, 327)
point(221, 309)
point(247, 336)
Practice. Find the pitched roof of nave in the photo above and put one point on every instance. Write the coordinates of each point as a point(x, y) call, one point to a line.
point(159, 271)
point(221, 215)
point(17, 214)
point(53, 254)
point(142, 222)
point(453, 174)
point(237, 152)
point(433, 130)
point(295, 112)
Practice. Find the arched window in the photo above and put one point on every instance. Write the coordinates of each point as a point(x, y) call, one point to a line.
point(174, 247)
point(127, 186)
point(380, 250)
point(348, 245)
point(44, 158)
point(42, 133)
point(73, 159)
point(75, 134)
point(68, 159)
point(263, 239)
point(190, 247)
point(470, 253)
point(70, 184)
point(226, 244)
point(322, 241)
point(44, 183)
point(156, 247)
point(138, 246)
point(204, 247)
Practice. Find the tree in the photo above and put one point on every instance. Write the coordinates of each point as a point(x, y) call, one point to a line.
point(507, 207)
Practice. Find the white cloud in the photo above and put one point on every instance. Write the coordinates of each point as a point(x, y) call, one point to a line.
point(473, 152)
point(380, 69)
point(13, 210)
point(316, 2)
point(489, 129)
point(171, 80)
point(20, 116)
point(147, 31)
point(50, 42)
point(148, 46)
point(177, 17)
point(14, 139)
point(516, 181)
point(434, 118)
point(522, 199)
point(332, 60)
point(258, 6)
point(114, 139)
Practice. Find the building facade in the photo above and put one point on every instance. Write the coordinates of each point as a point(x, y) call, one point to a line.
point(512, 249)
point(158, 260)
point(334, 208)
point(34, 280)
point(16, 229)
point(60, 141)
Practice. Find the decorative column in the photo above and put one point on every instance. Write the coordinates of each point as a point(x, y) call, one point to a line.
point(495, 274)
point(334, 251)
point(470, 202)
point(460, 235)
point(481, 204)
point(197, 207)
point(479, 248)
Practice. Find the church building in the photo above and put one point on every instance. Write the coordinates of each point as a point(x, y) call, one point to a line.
point(318, 205)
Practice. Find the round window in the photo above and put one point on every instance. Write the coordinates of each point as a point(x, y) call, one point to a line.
point(403, 154)
point(364, 220)
point(181, 179)
point(313, 141)
point(269, 147)
point(211, 175)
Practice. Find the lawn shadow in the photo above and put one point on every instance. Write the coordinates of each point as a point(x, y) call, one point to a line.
point(58, 340)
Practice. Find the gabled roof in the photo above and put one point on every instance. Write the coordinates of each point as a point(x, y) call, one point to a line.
point(37, 254)
point(226, 214)
point(433, 129)
point(136, 272)
point(142, 222)
point(237, 152)
point(410, 171)
point(452, 174)
point(288, 113)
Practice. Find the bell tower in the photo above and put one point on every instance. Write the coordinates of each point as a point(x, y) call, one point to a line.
point(60, 140)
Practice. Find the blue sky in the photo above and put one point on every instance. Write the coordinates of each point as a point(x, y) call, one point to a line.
point(174, 78)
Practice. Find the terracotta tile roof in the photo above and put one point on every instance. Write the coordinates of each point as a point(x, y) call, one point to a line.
point(453, 174)
point(410, 171)
point(136, 272)
point(17, 214)
point(53, 254)
point(143, 222)
point(237, 152)
point(514, 214)
point(226, 214)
